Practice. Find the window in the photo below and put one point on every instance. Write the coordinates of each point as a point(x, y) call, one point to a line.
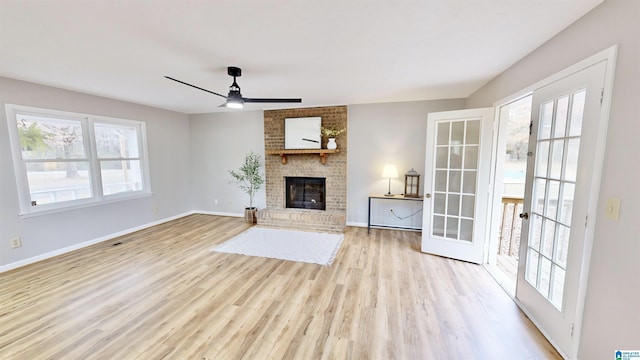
point(118, 153)
point(64, 160)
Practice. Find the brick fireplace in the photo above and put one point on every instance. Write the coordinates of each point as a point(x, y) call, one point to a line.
point(334, 173)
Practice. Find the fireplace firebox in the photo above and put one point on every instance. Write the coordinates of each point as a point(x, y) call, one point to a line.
point(305, 193)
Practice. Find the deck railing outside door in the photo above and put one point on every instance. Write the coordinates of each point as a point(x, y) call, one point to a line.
point(510, 226)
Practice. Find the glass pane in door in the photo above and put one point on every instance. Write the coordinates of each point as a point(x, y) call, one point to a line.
point(456, 159)
point(557, 146)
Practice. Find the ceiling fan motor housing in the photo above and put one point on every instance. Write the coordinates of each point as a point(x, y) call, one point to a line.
point(234, 71)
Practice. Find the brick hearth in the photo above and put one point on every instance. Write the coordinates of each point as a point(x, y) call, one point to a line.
point(335, 172)
point(312, 220)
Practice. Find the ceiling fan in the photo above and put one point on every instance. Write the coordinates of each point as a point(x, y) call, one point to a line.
point(235, 99)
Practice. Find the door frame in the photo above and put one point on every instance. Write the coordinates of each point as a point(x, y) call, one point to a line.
point(496, 188)
point(610, 56)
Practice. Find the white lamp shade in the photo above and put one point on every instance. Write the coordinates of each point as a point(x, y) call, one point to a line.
point(390, 172)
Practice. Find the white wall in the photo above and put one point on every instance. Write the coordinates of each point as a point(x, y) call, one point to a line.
point(219, 142)
point(379, 134)
point(168, 142)
point(612, 308)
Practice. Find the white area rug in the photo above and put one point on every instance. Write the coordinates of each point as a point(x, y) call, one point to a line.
point(292, 245)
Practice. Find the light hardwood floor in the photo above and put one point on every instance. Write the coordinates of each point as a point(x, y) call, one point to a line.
point(162, 294)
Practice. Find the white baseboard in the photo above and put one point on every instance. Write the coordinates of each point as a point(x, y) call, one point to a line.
point(356, 224)
point(81, 245)
point(218, 213)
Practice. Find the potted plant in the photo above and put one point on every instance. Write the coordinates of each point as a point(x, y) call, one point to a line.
point(249, 179)
point(331, 133)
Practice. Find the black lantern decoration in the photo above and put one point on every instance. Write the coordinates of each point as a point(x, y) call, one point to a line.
point(412, 184)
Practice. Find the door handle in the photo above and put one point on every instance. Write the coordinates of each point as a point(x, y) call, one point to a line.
point(524, 216)
point(427, 196)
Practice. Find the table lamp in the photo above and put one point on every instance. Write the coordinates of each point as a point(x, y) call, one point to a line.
point(389, 172)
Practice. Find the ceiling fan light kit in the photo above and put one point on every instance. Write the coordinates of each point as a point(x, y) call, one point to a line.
point(234, 98)
point(234, 104)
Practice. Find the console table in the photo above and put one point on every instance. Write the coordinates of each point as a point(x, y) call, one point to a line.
point(394, 197)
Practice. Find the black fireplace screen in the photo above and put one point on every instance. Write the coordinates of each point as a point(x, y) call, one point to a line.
point(305, 193)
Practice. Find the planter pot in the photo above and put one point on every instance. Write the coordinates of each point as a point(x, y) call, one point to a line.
point(251, 215)
point(331, 145)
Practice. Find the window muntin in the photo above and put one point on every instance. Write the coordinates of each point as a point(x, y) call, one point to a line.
point(63, 160)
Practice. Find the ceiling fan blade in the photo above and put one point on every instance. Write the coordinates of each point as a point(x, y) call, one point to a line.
point(266, 100)
point(193, 86)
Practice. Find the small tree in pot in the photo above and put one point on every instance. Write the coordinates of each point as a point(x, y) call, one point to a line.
point(249, 179)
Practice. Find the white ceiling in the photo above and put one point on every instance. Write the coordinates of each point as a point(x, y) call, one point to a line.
point(327, 52)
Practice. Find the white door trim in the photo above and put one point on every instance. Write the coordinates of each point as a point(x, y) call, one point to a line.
point(609, 54)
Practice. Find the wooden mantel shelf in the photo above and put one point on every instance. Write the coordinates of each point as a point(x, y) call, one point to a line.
point(322, 152)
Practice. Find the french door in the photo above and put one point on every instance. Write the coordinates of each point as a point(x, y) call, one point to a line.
point(558, 195)
point(456, 183)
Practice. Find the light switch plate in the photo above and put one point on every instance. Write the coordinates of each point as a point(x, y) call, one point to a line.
point(612, 210)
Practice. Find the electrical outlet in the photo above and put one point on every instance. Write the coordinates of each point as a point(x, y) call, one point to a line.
point(15, 242)
point(215, 201)
point(155, 209)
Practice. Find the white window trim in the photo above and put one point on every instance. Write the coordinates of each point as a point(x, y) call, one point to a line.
point(20, 171)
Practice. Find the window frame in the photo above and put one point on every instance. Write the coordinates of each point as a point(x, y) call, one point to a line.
point(87, 123)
